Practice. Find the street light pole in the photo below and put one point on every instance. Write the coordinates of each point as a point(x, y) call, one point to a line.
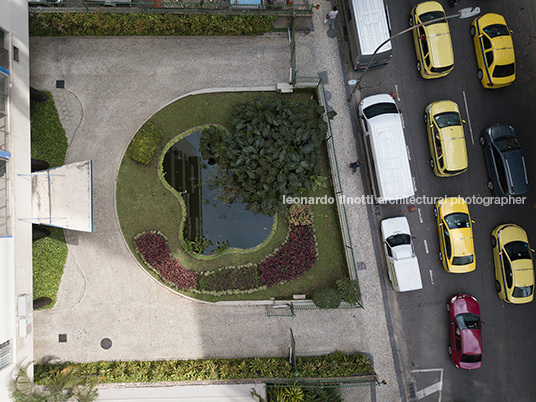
point(463, 13)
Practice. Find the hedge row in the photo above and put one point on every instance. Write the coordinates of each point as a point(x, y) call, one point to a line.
point(327, 366)
point(144, 143)
point(139, 24)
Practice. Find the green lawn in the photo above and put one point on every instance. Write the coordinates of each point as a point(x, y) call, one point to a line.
point(48, 142)
point(143, 203)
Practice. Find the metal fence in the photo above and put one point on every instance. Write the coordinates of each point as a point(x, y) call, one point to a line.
point(289, 309)
point(316, 82)
point(261, 7)
point(347, 382)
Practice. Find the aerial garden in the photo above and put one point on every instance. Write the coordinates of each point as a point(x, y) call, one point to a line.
point(200, 198)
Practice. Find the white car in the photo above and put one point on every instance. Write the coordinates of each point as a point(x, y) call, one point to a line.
point(402, 263)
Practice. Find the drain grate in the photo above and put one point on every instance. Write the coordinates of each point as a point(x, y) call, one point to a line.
point(62, 338)
point(60, 84)
point(106, 343)
point(411, 389)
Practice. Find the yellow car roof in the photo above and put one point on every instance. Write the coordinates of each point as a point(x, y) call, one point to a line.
point(523, 273)
point(452, 204)
point(503, 49)
point(462, 242)
point(454, 148)
point(440, 44)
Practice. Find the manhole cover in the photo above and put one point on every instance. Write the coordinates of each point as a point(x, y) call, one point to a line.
point(106, 343)
point(332, 33)
point(62, 338)
point(60, 84)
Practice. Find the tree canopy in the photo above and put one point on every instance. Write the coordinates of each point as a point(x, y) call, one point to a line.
point(273, 152)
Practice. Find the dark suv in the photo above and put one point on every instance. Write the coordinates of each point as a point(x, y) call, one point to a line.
point(506, 164)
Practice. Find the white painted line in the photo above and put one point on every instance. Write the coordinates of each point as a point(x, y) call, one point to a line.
point(407, 151)
point(423, 393)
point(420, 217)
point(437, 387)
point(396, 91)
point(403, 124)
point(468, 118)
point(426, 246)
point(414, 185)
point(431, 277)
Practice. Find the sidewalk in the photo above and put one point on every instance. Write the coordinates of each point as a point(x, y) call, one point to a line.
point(118, 83)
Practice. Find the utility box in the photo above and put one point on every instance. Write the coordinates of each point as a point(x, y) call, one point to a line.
point(24, 305)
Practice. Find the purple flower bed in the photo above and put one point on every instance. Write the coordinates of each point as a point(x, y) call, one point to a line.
point(293, 259)
point(154, 249)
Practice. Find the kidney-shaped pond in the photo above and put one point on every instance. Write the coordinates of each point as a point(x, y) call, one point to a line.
point(211, 214)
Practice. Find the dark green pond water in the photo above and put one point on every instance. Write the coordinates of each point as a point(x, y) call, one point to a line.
point(192, 176)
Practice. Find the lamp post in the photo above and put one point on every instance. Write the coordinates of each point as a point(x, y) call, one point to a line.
point(463, 13)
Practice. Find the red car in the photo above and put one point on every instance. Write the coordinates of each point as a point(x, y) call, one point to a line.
point(465, 330)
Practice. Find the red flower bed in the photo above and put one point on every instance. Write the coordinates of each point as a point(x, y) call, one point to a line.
point(293, 259)
point(154, 249)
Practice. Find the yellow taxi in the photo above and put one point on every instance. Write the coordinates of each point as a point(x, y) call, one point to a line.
point(433, 45)
point(514, 270)
point(446, 138)
point(494, 50)
point(454, 225)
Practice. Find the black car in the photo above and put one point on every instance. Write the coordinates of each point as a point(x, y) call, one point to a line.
point(506, 164)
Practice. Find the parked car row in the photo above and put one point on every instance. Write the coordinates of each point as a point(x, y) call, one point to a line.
point(392, 179)
point(494, 48)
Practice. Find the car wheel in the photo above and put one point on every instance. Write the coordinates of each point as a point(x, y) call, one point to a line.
point(410, 21)
point(498, 286)
point(440, 256)
point(472, 31)
point(425, 118)
point(490, 185)
point(482, 140)
point(450, 350)
point(418, 66)
point(480, 74)
point(493, 241)
point(435, 212)
point(448, 306)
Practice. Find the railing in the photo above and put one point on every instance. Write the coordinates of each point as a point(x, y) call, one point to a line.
point(262, 7)
point(316, 82)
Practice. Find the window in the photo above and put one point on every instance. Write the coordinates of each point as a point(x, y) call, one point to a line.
point(398, 240)
point(464, 260)
point(504, 71)
point(447, 119)
point(468, 321)
point(441, 69)
point(509, 143)
point(501, 173)
point(380, 108)
point(489, 57)
point(496, 30)
point(432, 15)
point(522, 292)
point(471, 358)
point(5, 354)
point(457, 220)
point(507, 272)
point(446, 241)
point(486, 42)
point(517, 250)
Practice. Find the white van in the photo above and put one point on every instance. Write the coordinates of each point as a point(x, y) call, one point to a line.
point(386, 148)
point(367, 26)
point(402, 263)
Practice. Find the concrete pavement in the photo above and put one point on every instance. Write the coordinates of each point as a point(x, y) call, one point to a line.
point(119, 83)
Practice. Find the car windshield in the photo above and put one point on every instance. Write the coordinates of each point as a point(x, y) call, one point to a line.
point(432, 15)
point(447, 119)
point(525, 291)
point(471, 358)
point(457, 220)
point(468, 321)
point(380, 108)
point(505, 70)
point(517, 250)
point(496, 30)
point(398, 239)
point(464, 260)
point(507, 144)
point(441, 69)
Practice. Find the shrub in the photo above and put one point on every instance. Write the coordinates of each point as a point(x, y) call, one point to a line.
point(300, 215)
point(140, 24)
point(240, 278)
point(295, 257)
point(348, 290)
point(326, 298)
point(143, 146)
point(154, 250)
point(327, 366)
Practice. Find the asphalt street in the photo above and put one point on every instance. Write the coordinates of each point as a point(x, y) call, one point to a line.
point(420, 321)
